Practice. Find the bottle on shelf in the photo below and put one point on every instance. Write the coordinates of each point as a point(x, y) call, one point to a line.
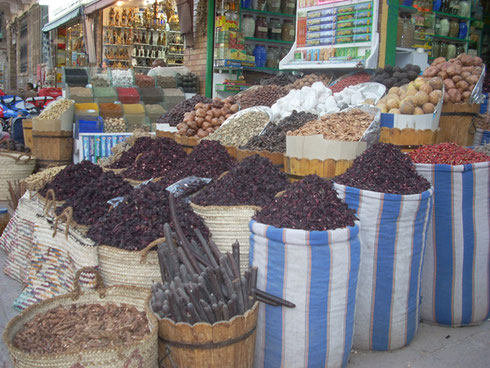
point(152, 53)
point(116, 19)
point(124, 17)
point(111, 16)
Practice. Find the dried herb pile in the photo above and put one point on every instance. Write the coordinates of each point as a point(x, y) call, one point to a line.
point(447, 153)
point(176, 114)
point(139, 219)
point(384, 168)
point(274, 137)
point(254, 181)
point(82, 327)
point(90, 202)
point(71, 179)
point(309, 204)
point(155, 163)
point(142, 144)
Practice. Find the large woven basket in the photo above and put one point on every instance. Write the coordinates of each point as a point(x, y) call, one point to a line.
point(124, 267)
point(142, 354)
point(228, 224)
point(14, 166)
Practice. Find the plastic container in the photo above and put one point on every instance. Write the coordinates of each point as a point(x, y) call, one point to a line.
point(260, 28)
point(463, 30)
point(260, 54)
point(90, 125)
point(288, 32)
point(288, 6)
point(464, 9)
point(274, 5)
point(248, 26)
point(275, 29)
point(453, 28)
point(444, 29)
point(273, 57)
point(451, 51)
point(4, 219)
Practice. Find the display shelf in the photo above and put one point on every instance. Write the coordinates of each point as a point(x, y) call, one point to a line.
point(462, 40)
point(116, 45)
point(264, 40)
point(264, 12)
point(146, 44)
point(407, 9)
point(447, 15)
point(174, 54)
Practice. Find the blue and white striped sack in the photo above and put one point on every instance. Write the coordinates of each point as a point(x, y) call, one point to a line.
point(393, 235)
point(455, 277)
point(481, 138)
point(317, 271)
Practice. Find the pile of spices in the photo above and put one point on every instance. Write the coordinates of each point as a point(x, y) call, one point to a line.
point(82, 327)
point(139, 220)
point(141, 145)
point(38, 180)
point(254, 182)
point(122, 78)
point(482, 122)
point(156, 163)
point(55, 109)
point(87, 109)
point(114, 125)
point(81, 94)
point(166, 82)
point(71, 179)
point(90, 202)
point(238, 130)
point(173, 97)
point(76, 77)
point(105, 94)
point(175, 115)
point(384, 168)
point(110, 110)
point(142, 80)
point(154, 112)
point(447, 153)
point(100, 80)
point(135, 116)
point(209, 159)
point(274, 137)
point(261, 96)
point(483, 149)
point(279, 80)
point(151, 95)
point(342, 126)
point(128, 95)
point(351, 80)
point(311, 204)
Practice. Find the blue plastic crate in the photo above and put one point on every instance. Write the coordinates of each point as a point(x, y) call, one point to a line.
point(91, 126)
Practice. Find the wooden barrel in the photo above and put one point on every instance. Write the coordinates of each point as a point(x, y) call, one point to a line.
point(223, 344)
point(27, 128)
point(297, 168)
point(408, 139)
point(53, 147)
point(456, 124)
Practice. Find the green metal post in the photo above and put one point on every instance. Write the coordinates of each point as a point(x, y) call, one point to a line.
point(210, 50)
point(391, 32)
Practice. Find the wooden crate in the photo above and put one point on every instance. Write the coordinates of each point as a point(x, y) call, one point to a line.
point(297, 168)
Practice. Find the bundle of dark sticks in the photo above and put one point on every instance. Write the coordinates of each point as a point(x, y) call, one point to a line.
point(199, 283)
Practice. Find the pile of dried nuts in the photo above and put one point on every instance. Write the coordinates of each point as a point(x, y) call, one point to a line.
point(261, 96)
point(114, 125)
point(82, 327)
point(240, 129)
point(342, 126)
point(55, 109)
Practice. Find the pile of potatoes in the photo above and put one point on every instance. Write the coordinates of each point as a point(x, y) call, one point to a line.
point(418, 97)
point(207, 117)
point(460, 76)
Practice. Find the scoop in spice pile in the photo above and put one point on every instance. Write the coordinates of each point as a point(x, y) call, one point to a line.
point(90, 202)
point(384, 168)
point(447, 153)
point(71, 179)
point(310, 204)
point(252, 182)
point(342, 126)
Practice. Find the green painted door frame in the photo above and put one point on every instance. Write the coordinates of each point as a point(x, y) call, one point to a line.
point(210, 50)
point(391, 32)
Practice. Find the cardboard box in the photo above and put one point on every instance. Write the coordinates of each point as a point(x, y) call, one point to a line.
point(416, 122)
point(65, 122)
point(316, 147)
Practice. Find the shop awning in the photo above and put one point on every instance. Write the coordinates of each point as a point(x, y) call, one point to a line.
point(97, 5)
point(75, 13)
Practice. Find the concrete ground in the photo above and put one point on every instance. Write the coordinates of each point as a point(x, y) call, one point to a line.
point(432, 347)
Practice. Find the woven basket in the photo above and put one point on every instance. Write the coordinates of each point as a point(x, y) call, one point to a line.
point(142, 354)
point(124, 267)
point(49, 203)
point(228, 224)
point(14, 166)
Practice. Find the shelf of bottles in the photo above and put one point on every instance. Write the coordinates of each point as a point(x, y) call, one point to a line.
point(135, 37)
point(444, 28)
